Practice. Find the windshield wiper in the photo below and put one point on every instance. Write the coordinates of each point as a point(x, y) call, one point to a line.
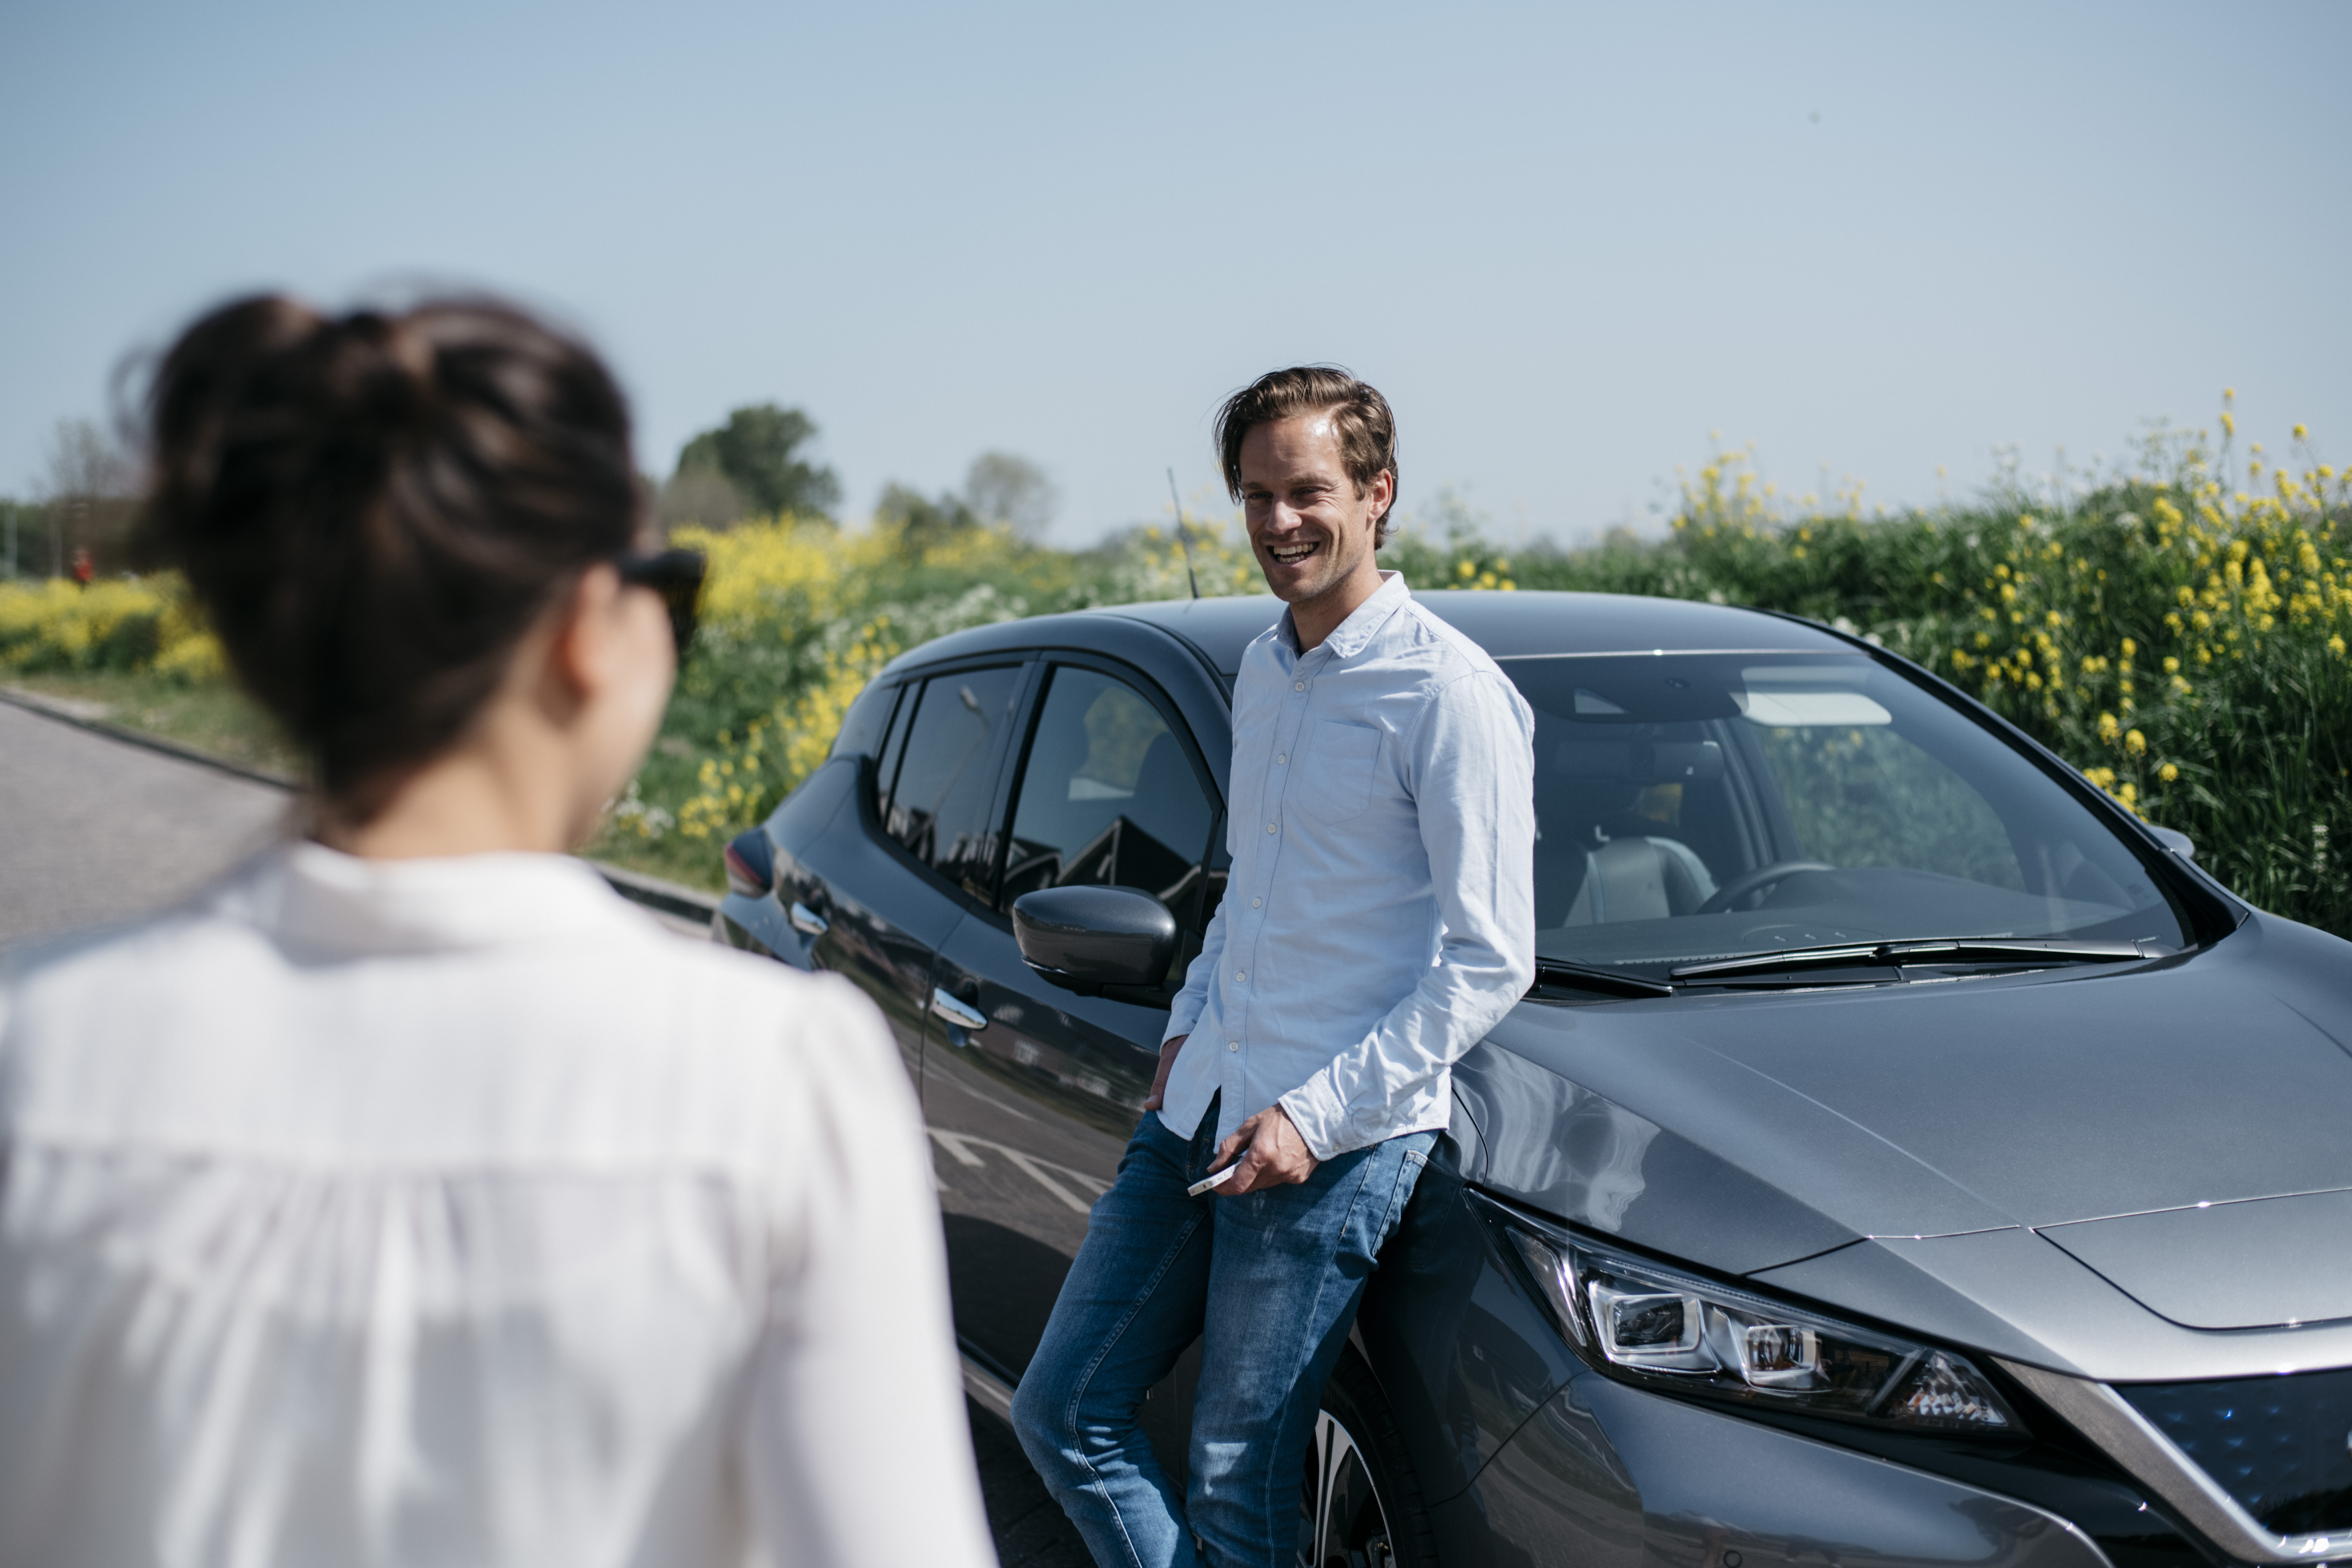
point(1610, 981)
point(1892, 954)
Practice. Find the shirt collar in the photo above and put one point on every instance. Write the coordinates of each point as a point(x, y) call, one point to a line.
point(1349, 636)
point(320, 901)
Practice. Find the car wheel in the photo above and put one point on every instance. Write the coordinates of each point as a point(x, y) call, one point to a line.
point(1359, 1505)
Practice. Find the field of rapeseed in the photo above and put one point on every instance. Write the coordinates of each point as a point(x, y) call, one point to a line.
point(2176, 630)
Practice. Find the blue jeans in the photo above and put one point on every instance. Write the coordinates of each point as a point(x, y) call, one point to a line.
point(1269, 1281)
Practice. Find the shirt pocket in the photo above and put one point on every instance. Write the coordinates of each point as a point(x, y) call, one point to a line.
point(1341, 762)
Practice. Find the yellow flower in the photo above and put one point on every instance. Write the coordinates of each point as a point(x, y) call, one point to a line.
point(2168, 773)
point(2229, 425)
point(2135, 743)
point(2108, 728)
point(2303, 433)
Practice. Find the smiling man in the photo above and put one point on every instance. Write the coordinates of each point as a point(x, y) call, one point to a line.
point(1379, 919)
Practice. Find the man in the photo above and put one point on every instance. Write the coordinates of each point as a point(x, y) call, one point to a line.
point(1379, 921)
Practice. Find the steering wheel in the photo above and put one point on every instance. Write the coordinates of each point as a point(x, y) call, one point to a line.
point(1739, 887)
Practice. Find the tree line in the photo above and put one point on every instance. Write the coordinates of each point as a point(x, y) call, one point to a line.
point(759, 462)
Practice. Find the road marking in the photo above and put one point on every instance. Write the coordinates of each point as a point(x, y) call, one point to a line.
point(1028, 1168)
point(963, 1147)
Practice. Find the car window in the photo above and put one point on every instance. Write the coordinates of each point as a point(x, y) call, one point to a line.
point(1108, 796)
point(1702, 805)
point(886, 767)
point(861, 727)
point(947, 775)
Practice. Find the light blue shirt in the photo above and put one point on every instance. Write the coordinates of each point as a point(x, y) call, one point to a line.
point(1381, 914)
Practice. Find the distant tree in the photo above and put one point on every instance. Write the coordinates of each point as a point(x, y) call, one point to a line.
point(755, 452)
point(17, 520)
point(90, 480)
point(1000, 488)
point(702, 496)
point(920, 521)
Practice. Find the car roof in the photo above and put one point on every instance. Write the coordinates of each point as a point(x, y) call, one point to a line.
point(1513, 625)
point(1508, 626)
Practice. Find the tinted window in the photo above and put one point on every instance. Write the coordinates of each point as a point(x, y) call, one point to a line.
point(1108, 796)
point(938, 803)
point(886, 768)
point(1669, 788)
point(861, 727)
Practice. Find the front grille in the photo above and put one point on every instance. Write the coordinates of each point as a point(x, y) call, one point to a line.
point(2281, 1445)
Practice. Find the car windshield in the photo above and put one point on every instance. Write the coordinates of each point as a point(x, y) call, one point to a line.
point(1706, 806)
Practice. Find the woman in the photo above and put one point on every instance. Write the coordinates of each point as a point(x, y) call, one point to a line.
point(410, 1198)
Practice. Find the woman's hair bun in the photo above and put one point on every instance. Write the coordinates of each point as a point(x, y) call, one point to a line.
point(375, 508)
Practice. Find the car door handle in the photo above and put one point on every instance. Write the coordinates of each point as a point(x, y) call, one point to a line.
point(807, 922)
point(963, 1014)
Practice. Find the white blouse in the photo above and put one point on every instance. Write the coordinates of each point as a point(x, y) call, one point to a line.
point(452, 1212)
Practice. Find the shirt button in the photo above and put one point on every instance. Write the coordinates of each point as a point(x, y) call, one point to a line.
point(1282, 757)
point(1255, 902)
point(1241, 974)
point(1233, 1045)
point(1269, 827)
point(1299, 685)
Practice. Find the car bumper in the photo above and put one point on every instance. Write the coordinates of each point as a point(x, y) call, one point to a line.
point(1605, 1474)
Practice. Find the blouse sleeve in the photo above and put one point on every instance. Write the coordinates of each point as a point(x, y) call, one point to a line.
point(858, 1449)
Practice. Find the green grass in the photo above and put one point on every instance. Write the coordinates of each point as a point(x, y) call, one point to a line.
point(213, 717)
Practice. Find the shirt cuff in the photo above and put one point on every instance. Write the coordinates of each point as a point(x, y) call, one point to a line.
point(1321, 1119)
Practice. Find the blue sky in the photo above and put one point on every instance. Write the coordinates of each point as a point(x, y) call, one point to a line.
point(1568, 242)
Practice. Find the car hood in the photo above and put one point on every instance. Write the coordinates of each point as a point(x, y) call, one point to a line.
point(1870, 1145)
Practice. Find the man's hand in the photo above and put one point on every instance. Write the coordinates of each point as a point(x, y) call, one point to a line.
point(1160, 1079)
point(1271, 1154)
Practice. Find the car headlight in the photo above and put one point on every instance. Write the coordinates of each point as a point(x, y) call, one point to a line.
point(1635, 1319)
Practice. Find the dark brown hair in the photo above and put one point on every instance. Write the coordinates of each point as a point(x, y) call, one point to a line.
point(375, 509)
point(1366, 427)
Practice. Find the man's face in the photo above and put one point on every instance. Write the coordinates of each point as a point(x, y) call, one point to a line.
point(1310, 530)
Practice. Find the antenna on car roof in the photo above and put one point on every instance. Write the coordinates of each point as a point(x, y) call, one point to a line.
point(1183, 539)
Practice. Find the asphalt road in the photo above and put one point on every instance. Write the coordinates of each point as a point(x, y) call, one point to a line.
point(95, 830)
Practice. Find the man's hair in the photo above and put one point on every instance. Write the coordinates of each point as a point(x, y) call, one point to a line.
point(1359, 415)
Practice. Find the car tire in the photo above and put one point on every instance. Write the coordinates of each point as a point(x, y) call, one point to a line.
point(1360, 1502)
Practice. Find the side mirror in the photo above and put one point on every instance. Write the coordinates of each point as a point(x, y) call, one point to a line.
point(1099, 942)
point(2172, 839)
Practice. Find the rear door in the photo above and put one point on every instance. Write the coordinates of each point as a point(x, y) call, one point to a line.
point(878, 892)
point(1033, 1094)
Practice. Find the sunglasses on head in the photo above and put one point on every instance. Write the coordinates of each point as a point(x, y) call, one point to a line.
point(677, 576)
